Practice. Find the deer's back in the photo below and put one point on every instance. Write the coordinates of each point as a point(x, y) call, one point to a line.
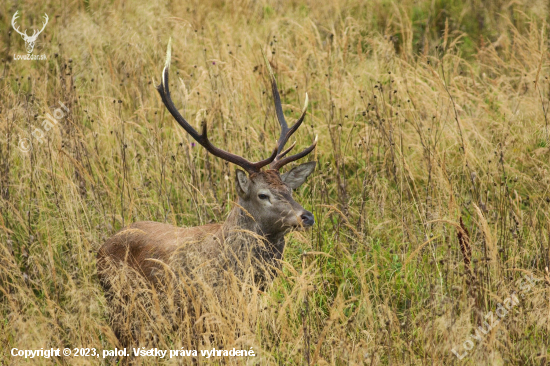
point(143, 244)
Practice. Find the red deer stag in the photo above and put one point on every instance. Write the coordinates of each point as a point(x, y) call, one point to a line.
point(252, 237)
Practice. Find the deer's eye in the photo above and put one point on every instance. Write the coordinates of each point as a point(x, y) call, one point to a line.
point(263, 196)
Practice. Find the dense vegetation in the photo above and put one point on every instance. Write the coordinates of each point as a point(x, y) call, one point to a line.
point(431, 195)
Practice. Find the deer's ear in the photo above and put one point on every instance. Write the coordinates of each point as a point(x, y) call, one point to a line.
point(298, 175)
point(243, 184)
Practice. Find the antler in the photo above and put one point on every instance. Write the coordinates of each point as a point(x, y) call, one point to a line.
point(286, 132)
point(35, 32)
point(13, 19)
point(44, 25)
point(164, 91)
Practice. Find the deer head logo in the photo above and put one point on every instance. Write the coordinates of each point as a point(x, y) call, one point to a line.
point(29, 40)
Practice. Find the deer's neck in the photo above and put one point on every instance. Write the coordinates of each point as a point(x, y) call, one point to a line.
point(245, 236)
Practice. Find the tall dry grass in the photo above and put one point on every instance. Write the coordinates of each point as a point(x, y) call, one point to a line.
point(428, 113)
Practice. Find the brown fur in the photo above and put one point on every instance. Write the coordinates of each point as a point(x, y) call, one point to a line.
point(138, 243)
point(272, 178)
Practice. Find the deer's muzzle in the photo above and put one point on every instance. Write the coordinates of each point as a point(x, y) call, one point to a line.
point(307, 219)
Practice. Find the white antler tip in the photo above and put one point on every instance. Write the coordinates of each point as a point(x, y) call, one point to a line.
point(168, 54)
point(168, 60)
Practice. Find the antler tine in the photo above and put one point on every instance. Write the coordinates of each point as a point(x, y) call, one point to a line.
point(202, 139)
point(287, 150)
point(285, 131)
point(278, 107)
point(278, 164)
point(46, 18)
point(13, 19)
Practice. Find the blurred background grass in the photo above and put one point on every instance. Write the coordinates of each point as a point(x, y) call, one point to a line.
point(427, 112)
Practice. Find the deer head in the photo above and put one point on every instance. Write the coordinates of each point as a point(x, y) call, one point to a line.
point(266, 196)
point(29, 40)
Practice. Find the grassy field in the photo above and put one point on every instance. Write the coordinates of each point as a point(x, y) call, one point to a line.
point(431, 197)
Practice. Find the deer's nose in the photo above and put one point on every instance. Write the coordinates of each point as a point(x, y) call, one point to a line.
point(307, 218)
